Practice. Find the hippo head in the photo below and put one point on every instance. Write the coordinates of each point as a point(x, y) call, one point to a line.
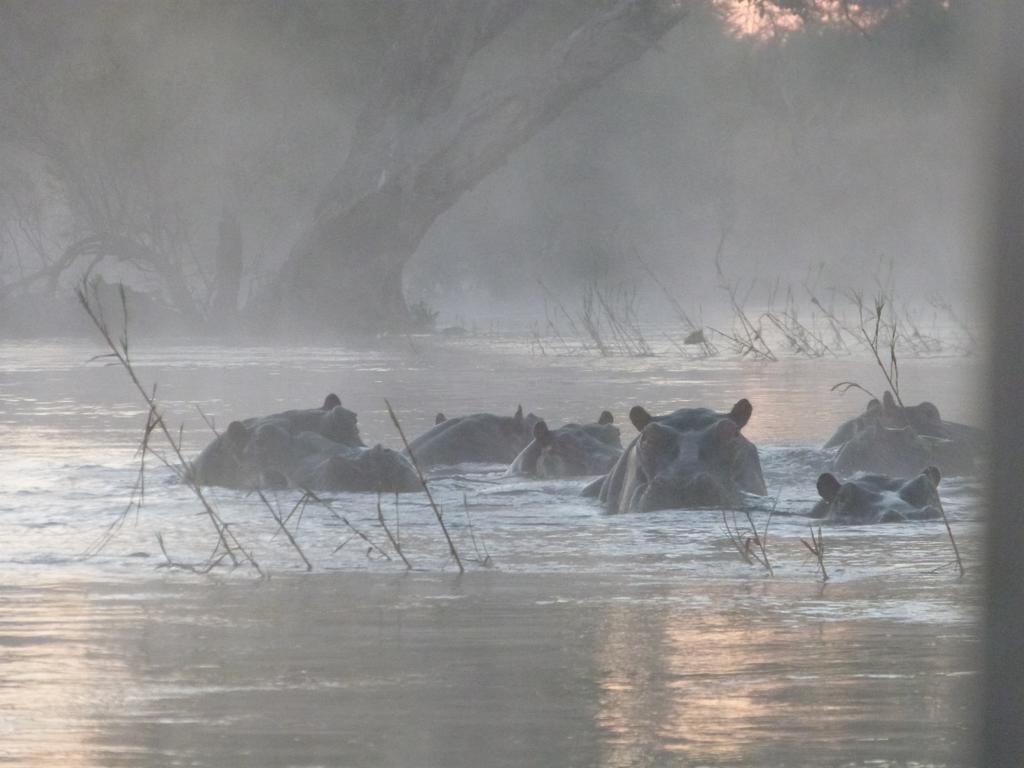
point(893, 449)
point(236, 437)
point(224, 461)
point(691, 468)
point(879, 498)
point(693, 418)
point(519, 428)
point(339, 424)
point(572, 451)
point(376, 469)
point(390, 470)
point(924, 418)
point(268, 446)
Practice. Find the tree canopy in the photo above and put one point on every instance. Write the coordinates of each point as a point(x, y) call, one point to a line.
point(323, 146)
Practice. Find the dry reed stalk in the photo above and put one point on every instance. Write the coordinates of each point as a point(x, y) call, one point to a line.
point(212, 562)
point(952, 540)
point(748, 339)
point(120, 352)
point(817, 548)
point(284, 529)
point(872, 336)
point(426, 488)
point(394, 542)
point(485, 560)
point(691, 328)
point(348, 524)
point(753, 548)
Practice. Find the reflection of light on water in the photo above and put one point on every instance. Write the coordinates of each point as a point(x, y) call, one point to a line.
point(678, 687)
point(52, 675)
point(752, 677)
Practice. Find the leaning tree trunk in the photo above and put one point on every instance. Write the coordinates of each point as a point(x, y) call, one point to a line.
point(414, 153)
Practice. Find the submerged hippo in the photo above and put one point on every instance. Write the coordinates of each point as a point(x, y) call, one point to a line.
point(330, 420)
point(867, 498)
point(693, 457)
point(923, 418)
point(321, 464)
point(317, 448)
point(478, 438)
point(571, 450)
point(897, 439)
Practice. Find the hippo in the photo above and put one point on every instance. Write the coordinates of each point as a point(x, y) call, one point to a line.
point(327, 466)
point(330, 420)
point(692, 457)
point(318, 448)
point(222, 461)
point(478, 438)
point(896, 439)
point(870, 498)
point(923, 418)
point(571, 450)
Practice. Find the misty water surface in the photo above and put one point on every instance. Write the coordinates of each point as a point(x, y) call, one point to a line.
point(591, 640)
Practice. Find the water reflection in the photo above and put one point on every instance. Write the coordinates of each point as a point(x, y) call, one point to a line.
point(728, 685)
point(59, 676)
point(489, 669)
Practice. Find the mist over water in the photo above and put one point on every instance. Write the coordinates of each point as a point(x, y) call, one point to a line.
point(464, 207)
point(198, 146)
point(72, 444)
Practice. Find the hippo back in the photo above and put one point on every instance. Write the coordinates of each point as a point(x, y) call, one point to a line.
point(477, 438)
point(902, 451)
point(891, 438)
point(317, 449)
point(351, 469)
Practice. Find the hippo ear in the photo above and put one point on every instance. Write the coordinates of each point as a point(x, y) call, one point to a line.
point(740, 412)
point(605, 418)
point(888, 403)
point(440, 418)
point(331, 401)
point(518, 415)
point(541, 433)
point(873, 406)
point(933, 474)
point(828, 486)
point(640, 417)
point(237, 434)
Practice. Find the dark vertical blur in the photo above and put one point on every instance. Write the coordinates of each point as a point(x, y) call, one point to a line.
point(1002, 729)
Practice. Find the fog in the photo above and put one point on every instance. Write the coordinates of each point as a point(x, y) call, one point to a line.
point(135, 138)
point(490, 382)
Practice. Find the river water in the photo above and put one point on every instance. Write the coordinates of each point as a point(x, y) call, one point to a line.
point(574, 638)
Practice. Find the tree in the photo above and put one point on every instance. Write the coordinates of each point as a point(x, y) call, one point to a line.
point(150, 137)
point(141, 125)
point(417, 148)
